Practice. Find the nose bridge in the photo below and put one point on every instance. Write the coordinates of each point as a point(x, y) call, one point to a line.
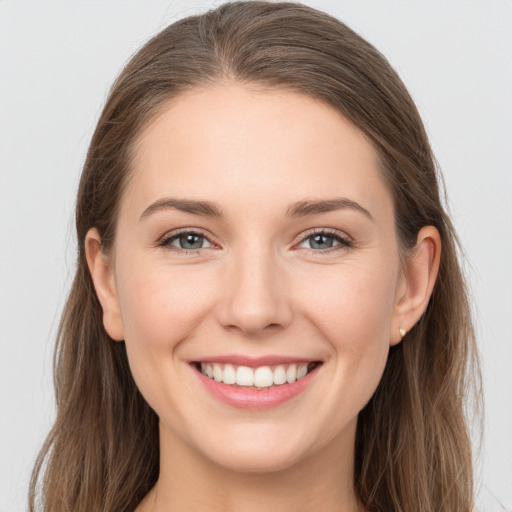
point(255, 290)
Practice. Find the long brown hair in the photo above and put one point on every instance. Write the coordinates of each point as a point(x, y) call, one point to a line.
point(412, 446)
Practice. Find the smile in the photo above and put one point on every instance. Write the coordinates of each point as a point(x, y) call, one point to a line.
point(261, 377)
point(254, 385)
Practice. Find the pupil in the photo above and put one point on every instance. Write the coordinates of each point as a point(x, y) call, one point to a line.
point(321, 242)
point(191, 241)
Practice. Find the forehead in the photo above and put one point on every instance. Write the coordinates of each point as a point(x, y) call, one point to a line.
point(245, 144)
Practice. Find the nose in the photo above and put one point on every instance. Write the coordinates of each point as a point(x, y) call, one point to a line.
point(255, 299)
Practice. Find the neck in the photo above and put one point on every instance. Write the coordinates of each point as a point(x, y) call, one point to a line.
point(189, 481)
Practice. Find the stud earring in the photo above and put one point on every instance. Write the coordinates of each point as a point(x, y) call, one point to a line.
point(402, 331)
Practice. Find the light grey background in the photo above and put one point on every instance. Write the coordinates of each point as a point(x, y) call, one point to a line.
point(57, 60)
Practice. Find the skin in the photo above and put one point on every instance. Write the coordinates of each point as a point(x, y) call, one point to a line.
point(257, 287)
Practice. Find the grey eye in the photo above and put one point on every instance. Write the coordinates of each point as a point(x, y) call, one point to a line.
point(188, 241)
point(191, 241)
point(321, 242)
point(324, 241)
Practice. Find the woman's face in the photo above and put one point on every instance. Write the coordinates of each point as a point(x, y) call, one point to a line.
point(255, 232)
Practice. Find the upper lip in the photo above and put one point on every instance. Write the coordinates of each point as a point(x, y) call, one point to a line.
point(254, 362)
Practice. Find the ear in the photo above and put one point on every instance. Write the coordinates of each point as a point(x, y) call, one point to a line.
point(102, 273)
point(420, 272)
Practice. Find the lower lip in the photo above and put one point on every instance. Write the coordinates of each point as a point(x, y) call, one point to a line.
point(256, 399)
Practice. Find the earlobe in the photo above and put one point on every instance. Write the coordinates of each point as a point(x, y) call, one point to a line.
point(102, 273)
point(421, 270)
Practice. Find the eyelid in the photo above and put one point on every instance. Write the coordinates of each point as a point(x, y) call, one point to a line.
point(344, 241)
point(164, 241)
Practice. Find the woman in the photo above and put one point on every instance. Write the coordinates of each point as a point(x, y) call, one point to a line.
point(268, 311)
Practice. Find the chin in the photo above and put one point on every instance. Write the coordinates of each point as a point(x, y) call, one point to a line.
point(255, 461)
point(261, 450)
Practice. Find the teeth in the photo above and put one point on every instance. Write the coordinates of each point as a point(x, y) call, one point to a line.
point(261, 377)
point(291, 373)
point(302, 370)
point(244, 376)
point(279, 375)
point(229, 375)
point(217, 373)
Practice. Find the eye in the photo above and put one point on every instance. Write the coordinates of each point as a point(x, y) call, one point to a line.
point(186, 241)
point(324, 240)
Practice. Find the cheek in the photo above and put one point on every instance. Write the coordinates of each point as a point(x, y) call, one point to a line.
point(161, 304)
point(161, 307)
point(354, 304)
point(353, 311)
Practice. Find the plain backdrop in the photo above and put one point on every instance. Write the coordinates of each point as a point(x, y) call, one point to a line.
point(57, 61)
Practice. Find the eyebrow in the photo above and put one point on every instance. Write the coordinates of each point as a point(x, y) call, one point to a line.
point(204, 208)
point(313, 207)
point(298, 209)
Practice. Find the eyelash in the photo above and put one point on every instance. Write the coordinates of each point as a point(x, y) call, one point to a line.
point(167, 241)
point(343, 242)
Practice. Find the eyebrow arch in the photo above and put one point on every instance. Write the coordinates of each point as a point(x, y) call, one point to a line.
point(312, 207)
point(298, 209)
point(204, 208)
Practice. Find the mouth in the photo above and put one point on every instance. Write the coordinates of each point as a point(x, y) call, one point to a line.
point(253, 385)
point(260, 377)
